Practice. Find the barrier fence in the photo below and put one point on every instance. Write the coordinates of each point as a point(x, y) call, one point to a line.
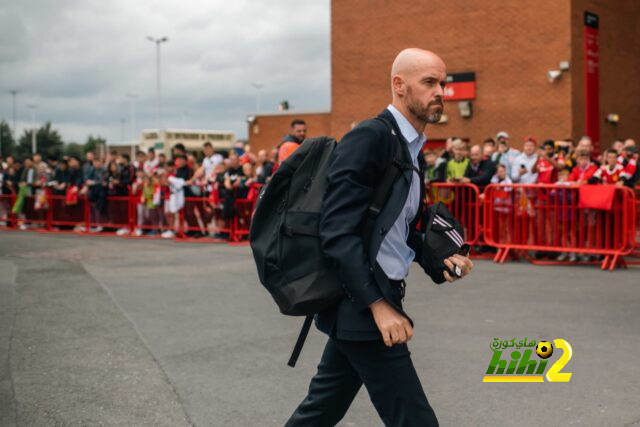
point(597, 220)
point(227, 219)
point(588, 219)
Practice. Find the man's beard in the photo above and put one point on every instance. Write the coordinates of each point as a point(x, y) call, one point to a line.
point(421, 112)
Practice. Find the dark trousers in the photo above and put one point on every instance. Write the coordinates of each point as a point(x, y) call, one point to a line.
point(387, 373)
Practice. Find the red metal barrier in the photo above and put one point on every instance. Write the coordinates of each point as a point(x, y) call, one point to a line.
point(244, 210)
point(549, 218)
point(508, 217)
point(463, 201)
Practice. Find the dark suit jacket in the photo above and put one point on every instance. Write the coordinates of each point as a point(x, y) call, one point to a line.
point(482, 175)
point(357, 166)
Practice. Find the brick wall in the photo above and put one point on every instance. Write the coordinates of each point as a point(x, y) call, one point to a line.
point(509, 45)
point(267, 130)
point(619, 47)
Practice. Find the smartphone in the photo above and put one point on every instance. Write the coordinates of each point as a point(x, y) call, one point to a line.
point(464, 251)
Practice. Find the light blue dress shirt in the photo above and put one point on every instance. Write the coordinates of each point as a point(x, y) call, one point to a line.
point(395, 256)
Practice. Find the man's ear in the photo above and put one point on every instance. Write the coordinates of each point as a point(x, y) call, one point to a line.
point(398, 84)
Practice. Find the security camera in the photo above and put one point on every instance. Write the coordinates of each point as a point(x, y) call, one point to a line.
point(564, 65)
point(465, 109)
point(251, 119)
point(553, 75)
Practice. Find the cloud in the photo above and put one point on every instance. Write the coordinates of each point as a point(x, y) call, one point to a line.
point(78, 59)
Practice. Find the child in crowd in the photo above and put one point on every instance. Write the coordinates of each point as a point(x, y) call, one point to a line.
point(502, 202)
point(561, 200)
point(137, 189)
point(583, 170)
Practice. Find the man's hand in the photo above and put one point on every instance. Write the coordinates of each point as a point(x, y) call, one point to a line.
point(394, 327)
point(461, 261)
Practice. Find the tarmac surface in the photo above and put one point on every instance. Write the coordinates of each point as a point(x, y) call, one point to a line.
point(112, 331)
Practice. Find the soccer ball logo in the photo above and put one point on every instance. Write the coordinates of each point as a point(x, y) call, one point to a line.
point(544, 349)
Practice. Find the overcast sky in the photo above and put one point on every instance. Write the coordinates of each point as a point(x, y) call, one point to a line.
point(78, 59)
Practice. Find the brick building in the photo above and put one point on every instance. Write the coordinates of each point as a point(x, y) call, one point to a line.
point(509, 46)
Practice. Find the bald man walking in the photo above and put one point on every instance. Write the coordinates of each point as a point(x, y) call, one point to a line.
point(368, 329)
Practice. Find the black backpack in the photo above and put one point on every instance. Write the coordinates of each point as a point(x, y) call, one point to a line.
point(284, 232)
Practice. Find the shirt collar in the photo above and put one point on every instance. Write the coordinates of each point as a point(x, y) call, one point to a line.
point(406, 128)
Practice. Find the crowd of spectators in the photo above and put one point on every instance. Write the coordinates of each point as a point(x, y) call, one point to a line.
point(552, 162)
point(535, 164)
point(159, 184)
point(162, 186)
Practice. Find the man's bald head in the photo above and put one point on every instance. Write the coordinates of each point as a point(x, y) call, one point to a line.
point(413, 60)
point(417, 84)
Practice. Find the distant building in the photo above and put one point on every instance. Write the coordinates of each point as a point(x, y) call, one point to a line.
point(553, 68)
point(192, 139)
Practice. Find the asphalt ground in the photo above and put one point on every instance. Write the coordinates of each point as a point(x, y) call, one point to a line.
point(112, 331)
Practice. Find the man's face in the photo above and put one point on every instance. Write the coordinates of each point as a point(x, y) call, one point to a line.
point(37, 158)
point(617, 145)
point(612, 159)
point(90, 156)
point(431, 158)
point(585, 145)
point(299, 131)
point(73, 163)
point(458, 152)
point(488, 149)
point(548, 149)
point(583, 160)
point(28, 163)
point(208, 151)
point(424, 92)
point(475, 155)
point(233, 161)
point(141, 158)
point(502, 172)
point(262, 156)
point(529, 148)
point(503, 145)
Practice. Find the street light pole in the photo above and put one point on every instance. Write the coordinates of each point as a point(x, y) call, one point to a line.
point(158, 81)
point(258, 86)
point(33, 108)
point(132, 109)
point(13, 130)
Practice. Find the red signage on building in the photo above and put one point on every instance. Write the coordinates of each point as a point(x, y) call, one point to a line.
point(460, 86)
point(591, 84)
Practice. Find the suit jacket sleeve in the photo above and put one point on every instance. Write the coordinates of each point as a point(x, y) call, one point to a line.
point(358, 163)
point(486, 172)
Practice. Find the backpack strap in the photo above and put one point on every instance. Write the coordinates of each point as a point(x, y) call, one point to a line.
point(300, 342)
point(393, 170)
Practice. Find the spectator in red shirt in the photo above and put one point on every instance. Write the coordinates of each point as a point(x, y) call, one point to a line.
point(630, 174)
point(546, 166)
point(584, 170)
point(610, 172)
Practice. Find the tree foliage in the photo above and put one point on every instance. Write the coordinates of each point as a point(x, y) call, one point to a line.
point(7, 144)
point(48, 142)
